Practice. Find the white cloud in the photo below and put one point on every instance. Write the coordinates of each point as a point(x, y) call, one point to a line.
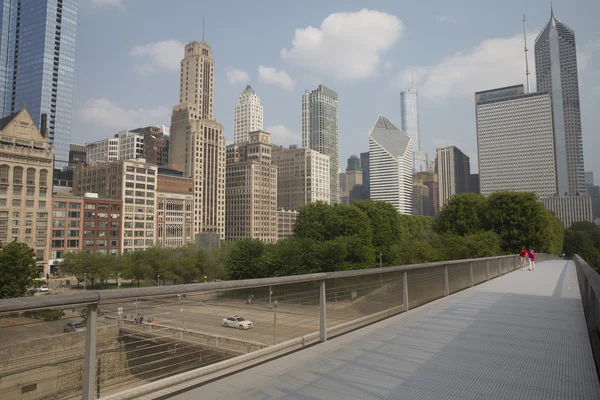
point(492, 63)
point(450, 19)
point(108, 3)
point(271, 76)
point(235, 75)
point(347, 45)
point(105, 113)
point(280, 135)
point(165, 54)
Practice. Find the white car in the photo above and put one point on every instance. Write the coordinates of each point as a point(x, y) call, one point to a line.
point(43, 288)
point(237, 322)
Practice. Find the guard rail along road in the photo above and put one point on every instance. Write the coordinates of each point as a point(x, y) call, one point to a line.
point(182, 340)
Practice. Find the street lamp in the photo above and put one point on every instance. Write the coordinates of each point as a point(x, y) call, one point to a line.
point(275, 322)
point(381, 273)
point(158, 279)
point(205, 278)
point(118, 280)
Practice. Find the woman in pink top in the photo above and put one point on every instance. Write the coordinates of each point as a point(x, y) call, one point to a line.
point(531, 255)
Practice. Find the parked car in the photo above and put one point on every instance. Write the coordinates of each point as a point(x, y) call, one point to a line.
point(75, 327)
point(237, 322)
point(43, 288)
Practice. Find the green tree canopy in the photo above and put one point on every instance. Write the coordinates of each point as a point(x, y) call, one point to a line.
point(583, 238)
point(18, 270)
point(464, 214)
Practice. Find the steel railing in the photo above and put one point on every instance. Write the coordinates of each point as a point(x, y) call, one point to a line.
point(182, 345)
point(589, 286)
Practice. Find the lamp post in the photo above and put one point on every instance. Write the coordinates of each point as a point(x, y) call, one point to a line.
point(118, 281)
point(275, 322)
point(84, 280)
point(158, 279)
point(380, 273)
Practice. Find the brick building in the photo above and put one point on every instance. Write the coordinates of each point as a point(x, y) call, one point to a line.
point(174, 211)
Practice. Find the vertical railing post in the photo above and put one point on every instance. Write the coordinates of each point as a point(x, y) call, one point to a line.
point(322, 313)
point(487, 269)
point(89, 362)
point(405, 291)
point(446, 284)
point(471, 280)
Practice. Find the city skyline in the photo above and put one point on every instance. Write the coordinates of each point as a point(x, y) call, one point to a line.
point(107, 90)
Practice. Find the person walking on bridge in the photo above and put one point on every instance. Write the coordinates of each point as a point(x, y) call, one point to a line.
point(531, 255)
point(523, 255)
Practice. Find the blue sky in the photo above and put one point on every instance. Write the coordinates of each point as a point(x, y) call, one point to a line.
point(128, 54)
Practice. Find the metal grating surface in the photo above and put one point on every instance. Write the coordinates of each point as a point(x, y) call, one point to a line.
point(520, 336)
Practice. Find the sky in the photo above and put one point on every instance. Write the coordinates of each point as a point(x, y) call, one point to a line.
point(128, 55)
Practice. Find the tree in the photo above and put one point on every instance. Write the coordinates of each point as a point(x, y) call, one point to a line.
point(135, 266)
point(246, 259)
point(386, 226)
point(464, 214)
point(583, 238)
point(18, 270)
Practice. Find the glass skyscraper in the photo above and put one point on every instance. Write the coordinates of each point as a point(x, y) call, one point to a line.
point(409, 116)
point(320, 130)
point(556, 73)
point(37, 64)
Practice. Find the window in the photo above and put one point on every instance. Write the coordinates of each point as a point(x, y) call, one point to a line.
point(60, 204)
point(16, 203)
point(17, 191)
point(74, 214)
point(101, 243)
point(15, 214)
point(101, 233)
point(115, 216)
point(115, 207)
point(73, 243)
point(74, 233)
point(102, 224)
point(75, 206)
point(43, 177)
point(115, 233)
point(89, 224)
point(58, 233)
point(43, 192)
point(90, 206)
point(88, 233)
point(90, 214)
point(41, 204)
point(4, 170)
point(102, 215)
point(88, 243)
point(74, 224)
point(114, 224)
point(18, 175)
point(31, 176)
point(58, 243)
point(29, 203)
point(30, 192)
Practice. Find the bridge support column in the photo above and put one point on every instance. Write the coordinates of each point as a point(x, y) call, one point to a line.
point(89, 361)
point(405, 292)
point(322, 313)
point(446, 284)
point(487, 269)
point(471, 280)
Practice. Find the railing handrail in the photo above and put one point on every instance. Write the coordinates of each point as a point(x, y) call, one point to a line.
point(92, 296)
point(592, 276)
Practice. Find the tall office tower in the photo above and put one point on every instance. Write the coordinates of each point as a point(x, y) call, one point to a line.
point(556, 73)
point(390, 158)
point(422, 163)
point(589, 178)
point(474, 183)
point(353, 176)
point(247, 116)
point(454, 169)
point(197, 143)
point(37, 64)
point(251, 193)
point(409, 120)
point(302, 177)
point(515, 141)
point(353, 164)
point(320, 130)
point(366, 165)
point(425, 186)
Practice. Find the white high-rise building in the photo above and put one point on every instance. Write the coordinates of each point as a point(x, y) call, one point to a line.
point(102, 151)
point(391, 159)
point(247, 116)
point(515, 141)
point(131, 145)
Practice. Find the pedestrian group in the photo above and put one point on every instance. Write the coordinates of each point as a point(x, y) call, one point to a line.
point(527, 259)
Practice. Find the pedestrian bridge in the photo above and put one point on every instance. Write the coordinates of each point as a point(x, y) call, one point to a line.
point(466, 329)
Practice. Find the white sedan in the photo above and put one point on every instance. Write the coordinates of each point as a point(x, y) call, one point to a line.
point(237, 322)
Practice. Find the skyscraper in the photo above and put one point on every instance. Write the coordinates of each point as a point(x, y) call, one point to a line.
point(390, 158)
point(37, 64)
point(247, 116)
point(409, 119)
point(353, 163)
point(197, 143)
point(556, 73)
point(515, 141)
point(453, 169)
point(320, 130)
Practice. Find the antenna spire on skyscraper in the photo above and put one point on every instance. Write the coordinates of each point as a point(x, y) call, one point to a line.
point(203, 29)
point(526, 50)
point(551, 10)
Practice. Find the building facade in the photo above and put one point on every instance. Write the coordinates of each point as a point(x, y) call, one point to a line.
point(251, 191)
point(556, 73)
point(302, 177)
point(515, 142)
point(320, 130)
point(102, 151)
point(365, 165)
point(570, 209)
point(391, 165)
point(174, 209)
point(454, 169)
point(37, 64)
point(247, 115)
point(426, 195)
point(77, 153)
point(26, 173)
point(131, 145)
point(197, 143)
point(285, 223)
point(409, 117)
point(156, 144)
point(422, 163)
point(133, 182)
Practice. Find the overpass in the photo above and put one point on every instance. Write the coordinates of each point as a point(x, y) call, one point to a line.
point(477, 328)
